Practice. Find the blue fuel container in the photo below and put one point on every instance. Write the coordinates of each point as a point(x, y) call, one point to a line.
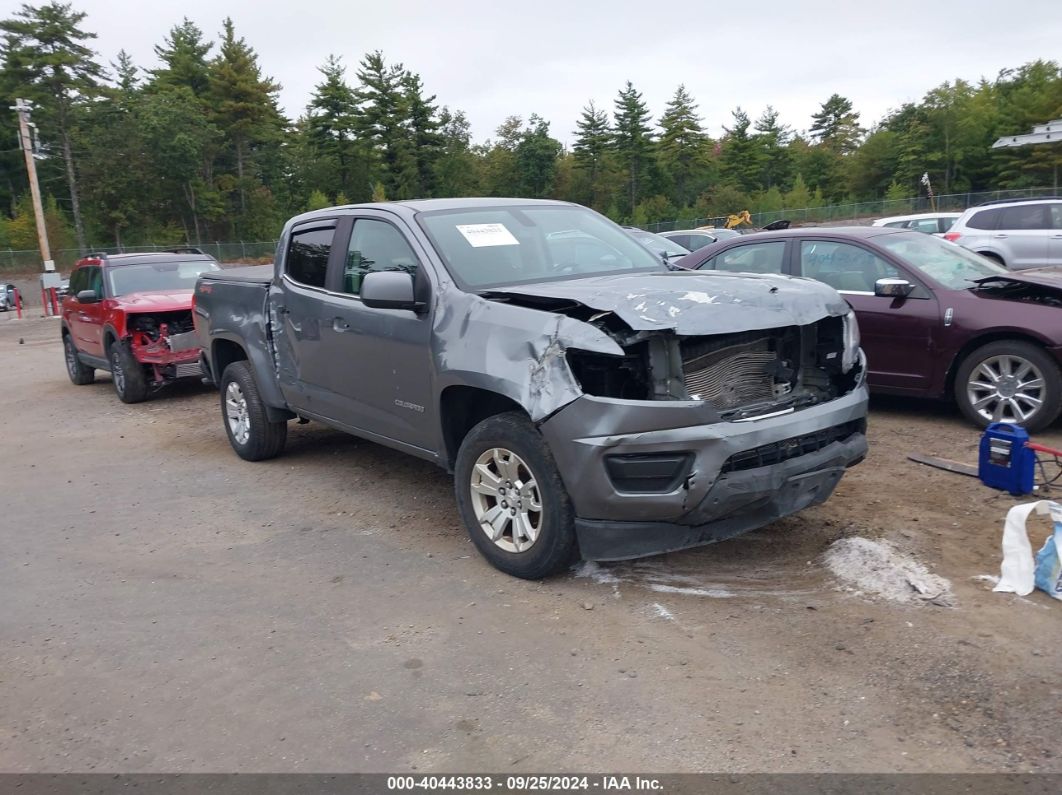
point(1004, 461)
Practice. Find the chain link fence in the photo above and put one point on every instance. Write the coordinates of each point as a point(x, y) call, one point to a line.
point(952, 202)
point(29, 261)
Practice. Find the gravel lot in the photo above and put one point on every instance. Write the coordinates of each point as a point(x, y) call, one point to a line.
point(165, 606)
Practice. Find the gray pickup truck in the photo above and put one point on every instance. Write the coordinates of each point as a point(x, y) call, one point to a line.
point(588, 400)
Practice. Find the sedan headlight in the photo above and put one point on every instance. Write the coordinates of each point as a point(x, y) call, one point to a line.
point(850, 357)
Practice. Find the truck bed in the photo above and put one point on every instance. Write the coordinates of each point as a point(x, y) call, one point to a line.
point(253, 274)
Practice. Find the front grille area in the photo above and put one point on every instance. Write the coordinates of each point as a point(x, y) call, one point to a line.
point(731, 376)
point(777, 452)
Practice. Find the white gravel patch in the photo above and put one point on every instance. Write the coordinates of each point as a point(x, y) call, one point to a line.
point(877, 568)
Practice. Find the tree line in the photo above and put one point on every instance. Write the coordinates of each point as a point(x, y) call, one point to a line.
point(198, 149)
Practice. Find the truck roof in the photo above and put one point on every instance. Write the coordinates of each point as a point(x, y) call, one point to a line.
point(179, 255)
point(411, 207)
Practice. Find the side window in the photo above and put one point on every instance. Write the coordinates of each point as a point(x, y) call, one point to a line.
point(308, 252)
point(682, 240)
point(944, 224)
point(78, 282)
point(1056, 216)
point(375, 246)
point(843, 266)
point(927, 225)
point(94, 277)
point(896, 224)
point(1026, 216)
point(753, 258)
point(986, 219)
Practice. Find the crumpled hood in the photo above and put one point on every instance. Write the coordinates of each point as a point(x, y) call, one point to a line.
point(1041, 277)
point(156, 301)
point(707, 302)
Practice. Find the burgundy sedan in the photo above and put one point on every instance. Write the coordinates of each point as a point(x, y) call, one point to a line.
point(936, 320)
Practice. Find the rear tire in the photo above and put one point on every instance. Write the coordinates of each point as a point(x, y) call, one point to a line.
point(1003, 380)
point(79, 372)
point(130, 379)
point(511, 498)
point(250, 432)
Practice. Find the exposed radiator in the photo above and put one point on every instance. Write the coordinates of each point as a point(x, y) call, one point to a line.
point(732, 376)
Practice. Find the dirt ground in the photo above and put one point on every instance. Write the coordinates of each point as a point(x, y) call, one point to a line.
point(165, 606)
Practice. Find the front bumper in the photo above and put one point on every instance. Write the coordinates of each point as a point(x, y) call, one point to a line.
point(708, 504)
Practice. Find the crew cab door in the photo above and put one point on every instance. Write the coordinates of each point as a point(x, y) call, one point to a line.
point(898, 334)
point(380, 363)
point(299, 310)
point(85, 321)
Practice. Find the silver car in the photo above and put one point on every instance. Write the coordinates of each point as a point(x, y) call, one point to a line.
point(1020, 233)
point(7, 297)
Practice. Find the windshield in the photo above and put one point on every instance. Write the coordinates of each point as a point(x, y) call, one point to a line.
point(502, 246)
point(659, 243)
point(951, 266)
point(153, 276)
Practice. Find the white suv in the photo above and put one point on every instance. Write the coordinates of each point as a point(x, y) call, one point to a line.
point(1021, 233)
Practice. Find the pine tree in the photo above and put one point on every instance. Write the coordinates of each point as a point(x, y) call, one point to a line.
point(422, 119)
point(590, 154)
point(243, 105)
point(773, 138)
point(381, 121)
point(632, 138)
point(741, 161)
point(331, 122)
point(536, 159)
point(44, 49)
point(456, 167)
point(681, 150)
point(184, 58)
point(836, 125)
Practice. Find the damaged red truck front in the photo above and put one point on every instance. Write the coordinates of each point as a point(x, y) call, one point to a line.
point(131, 315)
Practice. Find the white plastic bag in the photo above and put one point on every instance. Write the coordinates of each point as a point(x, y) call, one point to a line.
point(1020, 572)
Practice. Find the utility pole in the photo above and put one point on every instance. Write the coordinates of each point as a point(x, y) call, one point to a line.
point(25, 141)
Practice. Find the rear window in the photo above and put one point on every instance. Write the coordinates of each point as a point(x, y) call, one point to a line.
point(308, 253)
point(985, 219)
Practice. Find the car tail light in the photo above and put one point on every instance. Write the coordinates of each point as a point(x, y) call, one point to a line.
point(952, 237)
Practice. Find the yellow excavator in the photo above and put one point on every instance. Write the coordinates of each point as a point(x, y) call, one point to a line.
point(742, 218)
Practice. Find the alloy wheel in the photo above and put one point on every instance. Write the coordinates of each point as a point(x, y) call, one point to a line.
point(1006, 388)
point(506, 499)
point(236, 413)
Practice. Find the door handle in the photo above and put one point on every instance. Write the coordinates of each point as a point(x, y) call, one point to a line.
point(1000, 237)
point(340, 325)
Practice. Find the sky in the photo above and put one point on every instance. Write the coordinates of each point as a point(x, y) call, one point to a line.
point(496, 59)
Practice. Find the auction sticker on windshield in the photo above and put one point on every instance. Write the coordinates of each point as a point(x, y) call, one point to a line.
point(480, 235)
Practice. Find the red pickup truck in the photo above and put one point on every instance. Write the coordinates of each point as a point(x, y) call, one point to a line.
point(131, 315)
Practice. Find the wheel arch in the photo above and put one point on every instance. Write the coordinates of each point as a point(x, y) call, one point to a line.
point(462, 407)
point(997, 335)
point(223, 352)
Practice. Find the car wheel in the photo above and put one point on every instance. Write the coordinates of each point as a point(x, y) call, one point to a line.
point(128, 375)
point(252, 435)
point(78, 371)
point(511, 498)
point(1009, 381)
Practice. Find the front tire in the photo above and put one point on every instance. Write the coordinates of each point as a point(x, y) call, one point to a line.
point(1009, 381)
point(512, 500)
point(128, 375)
point(78, 371)
point(250, 432)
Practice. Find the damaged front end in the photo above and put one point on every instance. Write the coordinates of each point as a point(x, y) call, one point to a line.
point(741, 375)
point(166, 344)
point(727, 403)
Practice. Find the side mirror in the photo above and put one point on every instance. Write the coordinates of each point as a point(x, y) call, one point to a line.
point(892, 288)
point(87, 297)
point(389, 290)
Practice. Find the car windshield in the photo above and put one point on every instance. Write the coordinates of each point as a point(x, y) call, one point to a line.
point(947, 264)
point(659, 243)
point(502, 246)
point(152, 276)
